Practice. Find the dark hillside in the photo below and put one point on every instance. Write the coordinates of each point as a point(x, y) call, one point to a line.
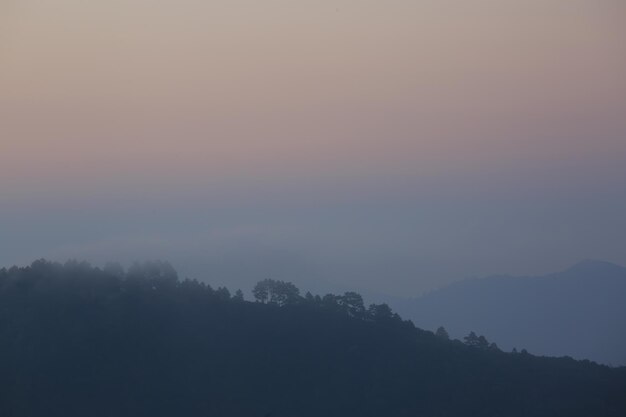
point(81, 341)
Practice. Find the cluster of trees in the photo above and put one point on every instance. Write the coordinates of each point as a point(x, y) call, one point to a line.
point(281, 293)
point(276, 292)
point(479, 342)
point(77, 340)
point(472, 340)
point(161, 276)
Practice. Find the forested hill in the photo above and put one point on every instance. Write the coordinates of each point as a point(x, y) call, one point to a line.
point(82, 341)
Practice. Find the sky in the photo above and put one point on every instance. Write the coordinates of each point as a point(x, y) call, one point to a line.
point(389, 147)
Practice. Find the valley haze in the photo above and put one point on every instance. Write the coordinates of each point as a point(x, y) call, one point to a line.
point(391, 147)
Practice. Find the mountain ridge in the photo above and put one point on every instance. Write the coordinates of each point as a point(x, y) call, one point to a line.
point(546, 312)
point(77, 340)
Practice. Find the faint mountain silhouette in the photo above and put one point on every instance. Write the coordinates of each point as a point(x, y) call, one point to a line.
point(579, 312)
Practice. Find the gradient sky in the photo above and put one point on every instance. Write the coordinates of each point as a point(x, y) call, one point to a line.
point(390, 147)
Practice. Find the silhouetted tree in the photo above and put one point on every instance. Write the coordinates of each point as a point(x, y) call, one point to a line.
point(276, 292)
point(329, 301)
point(284, 293)
point(471, 339)
point(380, 312)
point(352, 303)
point(480, 342)
point(261, 291)
point(483, 343)
point(223, 293)
point(442, 333)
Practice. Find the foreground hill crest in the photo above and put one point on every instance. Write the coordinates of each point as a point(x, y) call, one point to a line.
point(77, 340)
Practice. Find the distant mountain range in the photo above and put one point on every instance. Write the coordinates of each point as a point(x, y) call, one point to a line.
point(580, 312)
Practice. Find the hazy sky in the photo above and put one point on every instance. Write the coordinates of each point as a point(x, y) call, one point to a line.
point(388, 146)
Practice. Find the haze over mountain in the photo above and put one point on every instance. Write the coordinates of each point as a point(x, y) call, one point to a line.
point(393, 146)
point(579, 312)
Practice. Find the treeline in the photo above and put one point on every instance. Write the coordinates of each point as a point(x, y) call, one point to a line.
point(282, 293)
point(161, 276)
point(77, 340)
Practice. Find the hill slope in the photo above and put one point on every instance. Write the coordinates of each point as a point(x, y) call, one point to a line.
point(78, 341)
point(579, 312)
